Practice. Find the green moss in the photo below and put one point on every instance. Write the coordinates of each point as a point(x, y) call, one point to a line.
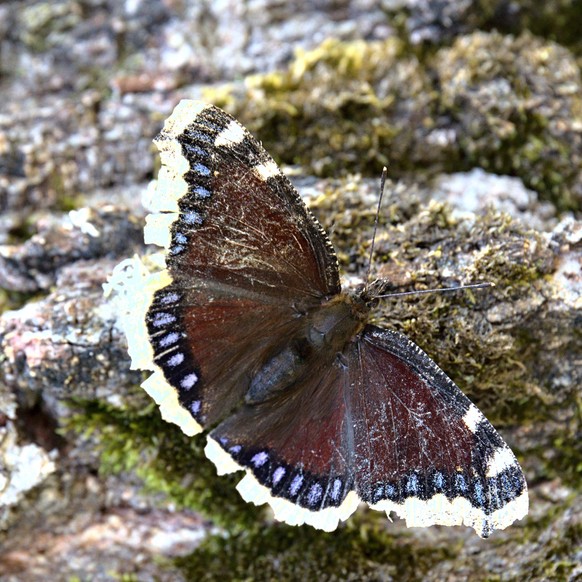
point(507, 105)
point(167, 461)
point(516, 103)
point(562, 456)
point(67, 203)
point(556, 20)
point(341, 107)
point(494, 364)
point(45, 24)
point(557, 558)
point(12, 300)
point(285, 553)
point(66, 196)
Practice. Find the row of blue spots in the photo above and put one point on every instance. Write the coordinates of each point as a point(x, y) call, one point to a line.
point(194, 150)
point(315, 492)
point(163, 319)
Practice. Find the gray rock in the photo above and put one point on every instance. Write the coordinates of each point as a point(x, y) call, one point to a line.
point(475, 191)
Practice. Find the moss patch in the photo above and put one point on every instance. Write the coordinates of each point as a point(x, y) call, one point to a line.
point(44, 24)
point(341, 107)
point(167, 460)
point(12, 300)
point(556, 558)
point(285, 553)
point(508, 105)
point(516, 103)
point(557, 20)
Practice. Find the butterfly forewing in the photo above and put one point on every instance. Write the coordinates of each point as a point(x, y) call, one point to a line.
point(244, 254)
point(241, 223)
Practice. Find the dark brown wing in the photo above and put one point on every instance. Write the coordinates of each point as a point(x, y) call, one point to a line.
point(241, 222)
point(297, 448)
point(422, 448)
point(382, 424)
point(245, 259)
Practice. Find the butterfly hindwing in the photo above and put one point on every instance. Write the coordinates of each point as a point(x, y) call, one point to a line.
point(386, 425)
point(422, 448)
point(297, 448)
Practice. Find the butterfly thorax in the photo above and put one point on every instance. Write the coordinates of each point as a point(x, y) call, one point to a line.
point(323, 334)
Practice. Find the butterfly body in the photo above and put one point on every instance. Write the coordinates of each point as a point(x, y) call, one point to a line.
point(251, 338)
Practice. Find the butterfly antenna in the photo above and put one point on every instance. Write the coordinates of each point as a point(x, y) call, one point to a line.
point(380, 196)
point(422, 291)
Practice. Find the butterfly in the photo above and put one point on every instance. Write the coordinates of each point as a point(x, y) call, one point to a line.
point(249, 336)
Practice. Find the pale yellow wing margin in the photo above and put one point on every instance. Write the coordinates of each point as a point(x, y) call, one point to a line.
point(252, 491)
point(163, 197)
point(132, 286)
point(134, 282)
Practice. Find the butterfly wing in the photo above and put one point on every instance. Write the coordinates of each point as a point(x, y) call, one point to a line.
point(297, 449)
point(244, 259)
point(383, 425)
point(423, 449)
point(227, 214)
point(244, 262)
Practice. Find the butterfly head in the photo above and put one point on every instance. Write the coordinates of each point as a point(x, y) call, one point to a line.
point(371, 293)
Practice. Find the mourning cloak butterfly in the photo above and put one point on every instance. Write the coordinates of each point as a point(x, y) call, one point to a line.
point(249, 335)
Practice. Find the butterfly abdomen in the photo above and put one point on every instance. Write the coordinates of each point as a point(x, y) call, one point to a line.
point(279, 372)
point(325, 332)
